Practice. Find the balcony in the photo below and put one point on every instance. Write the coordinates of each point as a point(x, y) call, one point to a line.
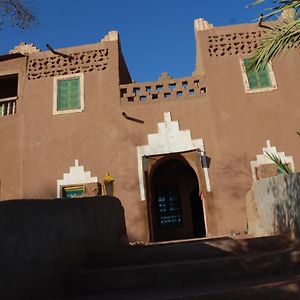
point(8, 106)
point(8, 94)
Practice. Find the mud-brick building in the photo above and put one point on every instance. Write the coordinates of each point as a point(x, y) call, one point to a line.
point(182, 152)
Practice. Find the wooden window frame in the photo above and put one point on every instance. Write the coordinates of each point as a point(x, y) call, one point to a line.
point(55, 94)
point(258, 90)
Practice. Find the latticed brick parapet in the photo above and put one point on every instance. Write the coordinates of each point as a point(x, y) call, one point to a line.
point(165, 88)
point(54, 65)
point(233, 43)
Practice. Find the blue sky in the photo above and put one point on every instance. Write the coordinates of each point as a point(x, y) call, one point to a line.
point(156, 35)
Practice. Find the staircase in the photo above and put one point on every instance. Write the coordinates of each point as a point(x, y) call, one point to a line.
point(221, 268)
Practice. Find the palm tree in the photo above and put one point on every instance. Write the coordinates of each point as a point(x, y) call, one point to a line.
point(282, 34)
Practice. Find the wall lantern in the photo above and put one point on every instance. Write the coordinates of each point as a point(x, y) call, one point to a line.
point(109, 184)
point(201, 158)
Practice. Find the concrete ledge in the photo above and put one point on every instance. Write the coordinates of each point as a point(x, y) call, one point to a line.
point(43, 238)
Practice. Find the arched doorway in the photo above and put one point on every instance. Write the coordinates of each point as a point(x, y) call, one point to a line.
point(173, 186)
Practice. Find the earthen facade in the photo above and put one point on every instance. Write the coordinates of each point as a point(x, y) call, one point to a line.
point(182, 153)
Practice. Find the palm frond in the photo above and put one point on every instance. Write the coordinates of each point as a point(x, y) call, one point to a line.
point(279, 6)
point(283, 35)
point(281, 166)
point(255, 3)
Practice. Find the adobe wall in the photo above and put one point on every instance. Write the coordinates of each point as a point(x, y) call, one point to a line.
point(96, 137)
point(119, 116)
point(45, 238)
point(234, 125)
point(11, 133)
point(53, 142)
point(241, 123)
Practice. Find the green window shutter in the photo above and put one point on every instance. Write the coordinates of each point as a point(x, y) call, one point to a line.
point(258, 79)
point(75, 93)
point(62, 95)
point(264, 76)
point(68, 94)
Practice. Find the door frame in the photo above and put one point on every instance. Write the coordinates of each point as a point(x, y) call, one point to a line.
point(151, 162)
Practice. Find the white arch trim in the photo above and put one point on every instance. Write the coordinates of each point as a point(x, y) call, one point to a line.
point(169, 139)
point(76, 175)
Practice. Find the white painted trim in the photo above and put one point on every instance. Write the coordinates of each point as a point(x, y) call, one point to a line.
point(207, 180)
point(262, 159)
point(10, 72)
point(246, 82)
point(9, 99)
point(169, 139)
point(70, 111)
point(204, 207)
point(76, 175)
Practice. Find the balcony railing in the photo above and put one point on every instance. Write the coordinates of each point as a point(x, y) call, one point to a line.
point(8, 106)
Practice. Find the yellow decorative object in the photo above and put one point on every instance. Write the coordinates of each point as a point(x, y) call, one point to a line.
point(109, 184)
point(108, 178)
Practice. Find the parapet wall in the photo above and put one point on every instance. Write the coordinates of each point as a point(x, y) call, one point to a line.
point(165, 88)
point(41, 239)
point(57, 65)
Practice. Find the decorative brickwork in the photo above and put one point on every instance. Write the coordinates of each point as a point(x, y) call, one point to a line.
point(234, 43)
point(55, 65)
point(165, 88)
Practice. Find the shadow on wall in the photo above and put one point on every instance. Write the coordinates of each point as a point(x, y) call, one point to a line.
point(240, 172)
point(41, 239)
point(275, 202)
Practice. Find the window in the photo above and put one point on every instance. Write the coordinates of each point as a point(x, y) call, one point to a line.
point(168, 207)
point(8, 94)
point(258, 81)
point(68, 94)
point(9, 86)
point(72, 191)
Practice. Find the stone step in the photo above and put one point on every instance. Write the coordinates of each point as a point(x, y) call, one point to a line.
point(189, 273)
point(183, 251)
point(269, 287)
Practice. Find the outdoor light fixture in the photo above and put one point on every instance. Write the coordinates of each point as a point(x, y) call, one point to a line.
point(109, 184)
point(201, 158)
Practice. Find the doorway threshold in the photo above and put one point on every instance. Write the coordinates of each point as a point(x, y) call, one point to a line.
point(192, 240)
